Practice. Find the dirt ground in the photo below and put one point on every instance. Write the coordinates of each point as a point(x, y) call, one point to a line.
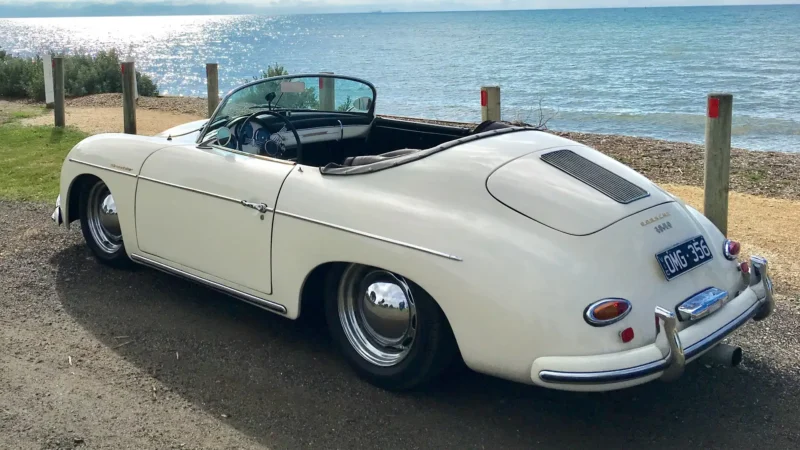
point(109, 120)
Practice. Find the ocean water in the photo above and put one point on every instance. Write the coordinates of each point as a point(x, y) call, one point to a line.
point(638, 71)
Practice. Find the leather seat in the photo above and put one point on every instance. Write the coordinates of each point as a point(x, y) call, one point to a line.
point(370, 159)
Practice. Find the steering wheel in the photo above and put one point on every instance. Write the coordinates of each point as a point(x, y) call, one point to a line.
point(240, 139)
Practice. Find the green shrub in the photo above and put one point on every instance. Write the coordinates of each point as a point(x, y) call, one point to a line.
point(83, 75)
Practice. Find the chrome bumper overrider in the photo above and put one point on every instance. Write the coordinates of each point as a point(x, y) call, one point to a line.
point(672, 366)
point(57, 217)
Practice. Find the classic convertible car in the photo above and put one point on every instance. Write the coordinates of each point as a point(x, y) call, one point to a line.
point(528, 256)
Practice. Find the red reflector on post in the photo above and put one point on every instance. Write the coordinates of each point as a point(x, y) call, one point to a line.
point(626, 335)
point(321, 83)
point(484, 98)
point(122, 68)
point(713, 108)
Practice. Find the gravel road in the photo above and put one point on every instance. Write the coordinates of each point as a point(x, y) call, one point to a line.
point(98, 358)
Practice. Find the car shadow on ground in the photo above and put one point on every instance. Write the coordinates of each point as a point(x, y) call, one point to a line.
point(281, 381)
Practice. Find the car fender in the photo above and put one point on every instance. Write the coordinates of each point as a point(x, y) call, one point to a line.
point(116, 159)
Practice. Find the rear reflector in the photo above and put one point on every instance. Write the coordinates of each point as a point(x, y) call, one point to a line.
point(744, 267)
point(626, 335)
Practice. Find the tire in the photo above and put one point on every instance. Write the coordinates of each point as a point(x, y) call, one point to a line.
point(408, 347)
point(100, 225)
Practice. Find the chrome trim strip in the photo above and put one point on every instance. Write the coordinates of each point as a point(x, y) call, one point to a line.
point(611, 376)
point(102, 167)
point(252, 299)
point(714, 338)
point(370, 235)
point(201, 192)
point(631, 373)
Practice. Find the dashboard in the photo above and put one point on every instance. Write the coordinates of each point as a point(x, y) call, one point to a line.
point(271, 137)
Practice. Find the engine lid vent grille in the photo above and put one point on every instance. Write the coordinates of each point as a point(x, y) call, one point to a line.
point(600, 178)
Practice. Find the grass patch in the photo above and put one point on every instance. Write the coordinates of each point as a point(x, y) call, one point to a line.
point(15, 111)
point(31, 160)
point(26, 114)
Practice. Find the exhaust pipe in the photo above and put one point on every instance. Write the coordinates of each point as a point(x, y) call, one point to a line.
point(724, 354)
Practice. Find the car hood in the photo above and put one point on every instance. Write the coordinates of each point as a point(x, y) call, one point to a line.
point(573, 189)
point(192, 130)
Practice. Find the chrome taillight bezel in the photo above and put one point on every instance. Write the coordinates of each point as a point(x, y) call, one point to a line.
point(726, 249)
point(589, 317)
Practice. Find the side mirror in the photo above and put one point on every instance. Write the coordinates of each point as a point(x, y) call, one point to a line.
point(223, 136)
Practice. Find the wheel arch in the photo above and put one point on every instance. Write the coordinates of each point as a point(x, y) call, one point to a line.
point(76, 186)
point(312, 291)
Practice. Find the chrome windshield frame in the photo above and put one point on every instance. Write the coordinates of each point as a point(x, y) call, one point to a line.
point(224, 101)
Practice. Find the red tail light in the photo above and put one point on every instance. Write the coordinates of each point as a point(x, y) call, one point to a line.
point(607, 311)
point(731, 249)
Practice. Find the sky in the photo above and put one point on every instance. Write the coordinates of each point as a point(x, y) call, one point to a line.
point(44, 8)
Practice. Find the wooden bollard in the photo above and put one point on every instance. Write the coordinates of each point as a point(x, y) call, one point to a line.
point(129, 97)
point(490, 103)
point(718, 159)
point(327, 93)
point(212, 77)
point(58, 91)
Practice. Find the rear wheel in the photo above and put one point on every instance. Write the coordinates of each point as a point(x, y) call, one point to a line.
point(390, 330)
point(100, 225)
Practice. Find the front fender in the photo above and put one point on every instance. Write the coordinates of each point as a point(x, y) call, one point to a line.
point(114, 158)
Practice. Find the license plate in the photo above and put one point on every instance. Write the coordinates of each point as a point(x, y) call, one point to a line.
point(686, 256)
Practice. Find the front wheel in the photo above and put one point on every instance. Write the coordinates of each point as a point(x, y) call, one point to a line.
point(100, 225)
point(390, 330)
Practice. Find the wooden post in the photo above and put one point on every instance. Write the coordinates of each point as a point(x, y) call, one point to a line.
point(47, 65)
point(58, 91)
point(718, 159)
point(327, 93)
point(129, 97)
point(212, 77)
point(490, 103)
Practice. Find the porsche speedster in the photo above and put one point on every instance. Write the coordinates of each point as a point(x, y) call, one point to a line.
point(528, 256)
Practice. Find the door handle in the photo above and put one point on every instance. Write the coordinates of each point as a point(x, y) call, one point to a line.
point(260, 207)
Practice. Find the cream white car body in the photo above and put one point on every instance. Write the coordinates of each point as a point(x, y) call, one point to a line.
point(513, 283)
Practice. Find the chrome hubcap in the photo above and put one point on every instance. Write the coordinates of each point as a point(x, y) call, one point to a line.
point(378, 315)
point(103, 219)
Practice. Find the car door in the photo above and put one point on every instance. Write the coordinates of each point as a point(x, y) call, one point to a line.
point(210, 209)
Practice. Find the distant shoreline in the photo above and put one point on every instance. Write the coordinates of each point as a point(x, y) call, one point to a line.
point(43, 10)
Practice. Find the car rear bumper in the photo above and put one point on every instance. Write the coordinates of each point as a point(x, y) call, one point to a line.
point(667, 357)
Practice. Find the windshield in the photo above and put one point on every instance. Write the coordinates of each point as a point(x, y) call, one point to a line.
point(304, 92)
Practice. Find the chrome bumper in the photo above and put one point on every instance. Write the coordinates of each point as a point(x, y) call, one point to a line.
point(672, 366)
point(57, 217)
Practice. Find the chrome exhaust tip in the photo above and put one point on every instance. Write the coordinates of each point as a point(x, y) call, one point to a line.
point(725, 355)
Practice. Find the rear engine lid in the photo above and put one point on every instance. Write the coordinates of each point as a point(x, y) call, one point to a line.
point(573, 189)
